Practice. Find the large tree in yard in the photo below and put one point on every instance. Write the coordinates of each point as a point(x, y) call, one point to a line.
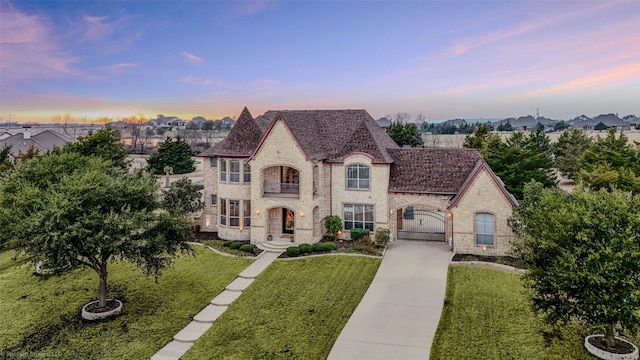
point(67, 210)
point(583, 254)
point(172, 153)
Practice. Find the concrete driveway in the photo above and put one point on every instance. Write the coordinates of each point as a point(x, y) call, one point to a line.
point(399, 314)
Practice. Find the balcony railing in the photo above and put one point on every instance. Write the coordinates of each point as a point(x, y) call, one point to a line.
point(281, 189)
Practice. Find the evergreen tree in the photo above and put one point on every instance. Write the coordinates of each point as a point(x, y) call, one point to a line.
point(105, 143)
point(478, 138)
point(568, 149)
point(405, 134)
point(505, 127)
point(175, 154)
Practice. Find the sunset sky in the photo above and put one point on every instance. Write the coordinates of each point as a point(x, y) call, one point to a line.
point(454, 59)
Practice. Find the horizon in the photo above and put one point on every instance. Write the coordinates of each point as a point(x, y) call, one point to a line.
point(444, 60)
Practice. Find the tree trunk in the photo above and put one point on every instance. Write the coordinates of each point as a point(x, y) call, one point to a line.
point(103, 287)
point(609, 337)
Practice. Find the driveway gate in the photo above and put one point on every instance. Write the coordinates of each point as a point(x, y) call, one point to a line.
point(420, 224)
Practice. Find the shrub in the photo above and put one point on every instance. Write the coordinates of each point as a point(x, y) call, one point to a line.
point(306, 248)
point(247, 248)
point(235, 245)
point(319, 247)
point(329, 246)
point(227, 243)
point(357, 234)
point(382, 236)
point(333, 224)
point(293, 251)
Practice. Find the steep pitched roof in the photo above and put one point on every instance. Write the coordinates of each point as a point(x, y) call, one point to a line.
point(242, 139)
point(431, 170)
point(43, 141)
point(332, 134)
point(480, 166)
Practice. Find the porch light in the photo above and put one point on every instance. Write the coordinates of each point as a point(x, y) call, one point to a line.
point(258, 211)
point(301, 214)
point(449, 215)
point(484, 247)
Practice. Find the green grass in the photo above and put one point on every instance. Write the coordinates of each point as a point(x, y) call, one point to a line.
point(487, 316)
point(295, 309)
point(39, 316)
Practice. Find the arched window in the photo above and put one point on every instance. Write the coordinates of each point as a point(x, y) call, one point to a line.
point(484, 229)
point(358, 177)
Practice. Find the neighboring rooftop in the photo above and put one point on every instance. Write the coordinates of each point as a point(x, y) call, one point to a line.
point(43, 141)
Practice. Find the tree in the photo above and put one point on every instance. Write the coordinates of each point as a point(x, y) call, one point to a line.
point(478, 138)
point(183, 197)
point(104, 143)
point(568, 149)
point(600, 126)
point(505, 127)
point(610, 162)
point(67, 210)
point(583, 255)
point(520, 159)
point(405, 134)
point(6, 162)
point(560, 126)
point(172, 153)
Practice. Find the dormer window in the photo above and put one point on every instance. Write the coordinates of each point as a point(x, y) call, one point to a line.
point(358, 177)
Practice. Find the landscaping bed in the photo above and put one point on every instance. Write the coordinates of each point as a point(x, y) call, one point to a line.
point(326, 245)
point(41, 313)
point(225, 246)
point(487, 315)
point(504, 260)
point(293, 310)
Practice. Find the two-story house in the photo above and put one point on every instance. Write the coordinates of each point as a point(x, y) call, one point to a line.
point(278, 175)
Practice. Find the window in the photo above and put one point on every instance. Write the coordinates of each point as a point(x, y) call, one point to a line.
point(223, 171)
point(214, 162)
point(234, 171)
point(234, 212)
point(223, 212)
point(358, 216)
point(246, 170)
point(357, 177)
point(246, 222)
point(214, 200)
point(484, 229)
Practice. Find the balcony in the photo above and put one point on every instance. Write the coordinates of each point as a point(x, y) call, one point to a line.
point(279, 189)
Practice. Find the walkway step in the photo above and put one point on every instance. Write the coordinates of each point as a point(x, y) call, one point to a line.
point(192, 332)
point(273, 246)
point(210, 313)
point(172, 351)
point(239, 284)
point(225, 298)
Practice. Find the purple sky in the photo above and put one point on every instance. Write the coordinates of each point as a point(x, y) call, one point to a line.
point(454, 59)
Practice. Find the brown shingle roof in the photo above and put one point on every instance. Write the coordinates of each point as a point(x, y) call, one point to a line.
point(332, 134)
point(241, 140)
point(431, 170)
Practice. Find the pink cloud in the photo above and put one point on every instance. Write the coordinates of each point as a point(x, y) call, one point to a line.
point(192, 58)
point(120, 68)
point(95, 28)
point(199, 80)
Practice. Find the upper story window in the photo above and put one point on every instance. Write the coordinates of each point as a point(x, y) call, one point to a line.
point(223, 170)
point(484, 229)
point(358, 177)
point(214, 162)
point(234, 171)
point(246, 170)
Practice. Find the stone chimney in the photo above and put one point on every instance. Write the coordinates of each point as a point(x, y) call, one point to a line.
point(26, 135)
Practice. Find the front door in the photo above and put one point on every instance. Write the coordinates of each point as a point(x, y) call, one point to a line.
point(287, 221)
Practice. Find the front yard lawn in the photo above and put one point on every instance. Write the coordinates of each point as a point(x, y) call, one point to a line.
point(294, 310)
point(40, 315)
point(487, 316)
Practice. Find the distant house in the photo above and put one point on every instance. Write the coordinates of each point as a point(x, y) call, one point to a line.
point(384, 122)
point(4, 135)
point(610, 120)
point(528, 123)
point(275, 177)
point(632, 120)
point(168, 122)
point(44, 141)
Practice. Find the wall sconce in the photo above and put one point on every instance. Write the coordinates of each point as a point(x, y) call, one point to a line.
point(484, 247)
point(301, 214)
point(258, 211)
point(449, 215)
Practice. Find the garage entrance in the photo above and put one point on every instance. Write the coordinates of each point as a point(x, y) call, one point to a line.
point(415, 224)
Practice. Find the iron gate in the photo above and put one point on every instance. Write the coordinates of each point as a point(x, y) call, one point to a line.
point(420, 224)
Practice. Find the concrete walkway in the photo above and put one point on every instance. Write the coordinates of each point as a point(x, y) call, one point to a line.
point(183, 340)
point(399, 314)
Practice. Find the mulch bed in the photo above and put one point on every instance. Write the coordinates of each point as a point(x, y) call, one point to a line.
point(94, 308)
point(504, 260)
point(622, 347)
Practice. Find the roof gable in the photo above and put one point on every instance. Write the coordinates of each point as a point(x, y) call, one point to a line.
point(479, 168)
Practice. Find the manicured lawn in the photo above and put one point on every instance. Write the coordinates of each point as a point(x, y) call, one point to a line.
point(294, 310)
point(40, 315)
point(487, 316)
